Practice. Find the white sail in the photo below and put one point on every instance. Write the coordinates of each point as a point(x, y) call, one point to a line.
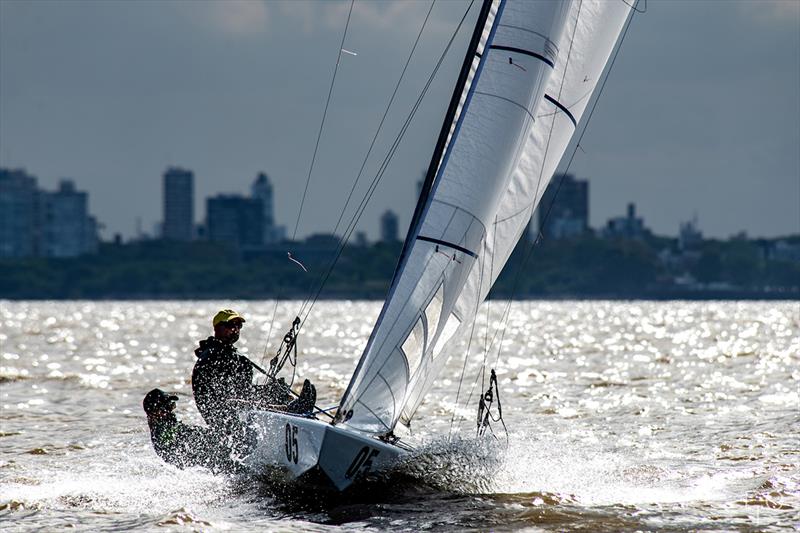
point(420, 315)
point(591, 32)
point(514, 108)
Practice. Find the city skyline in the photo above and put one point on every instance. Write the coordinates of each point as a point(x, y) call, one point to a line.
point(233, 217)
point(215, 90)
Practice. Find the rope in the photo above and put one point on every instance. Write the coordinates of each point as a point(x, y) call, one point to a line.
point(635, 6)
point(485, 418)
point(311, 167)
point(322, 124)
point(375, 136)
point(466, 354)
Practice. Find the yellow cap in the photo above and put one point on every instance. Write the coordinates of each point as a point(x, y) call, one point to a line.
point(226, 315)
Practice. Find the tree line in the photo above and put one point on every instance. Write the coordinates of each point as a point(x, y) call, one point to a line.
point(584, 267)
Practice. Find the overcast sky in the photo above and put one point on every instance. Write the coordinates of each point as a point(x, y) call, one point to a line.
point(701, 114)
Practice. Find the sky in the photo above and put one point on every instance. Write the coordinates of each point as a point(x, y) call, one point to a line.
point(700, 115)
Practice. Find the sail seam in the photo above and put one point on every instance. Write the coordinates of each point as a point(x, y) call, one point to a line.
point(527, 30)
point(373, 413)
point(523, 52)
point(516, 214)
point(448, 244)
point(458, 208)
point(389, 387)
point(510, 101)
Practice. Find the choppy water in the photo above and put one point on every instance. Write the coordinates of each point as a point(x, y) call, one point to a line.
point(621, 416)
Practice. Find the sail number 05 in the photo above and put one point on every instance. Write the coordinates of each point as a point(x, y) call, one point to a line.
point(292, 451)
point(362, 462)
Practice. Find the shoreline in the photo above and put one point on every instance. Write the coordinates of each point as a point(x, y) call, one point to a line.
point(654, 296)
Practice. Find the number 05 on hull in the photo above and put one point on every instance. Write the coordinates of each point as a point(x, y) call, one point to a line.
point(308, 448)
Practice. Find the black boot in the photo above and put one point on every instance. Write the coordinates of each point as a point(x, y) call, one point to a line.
point(304, 404)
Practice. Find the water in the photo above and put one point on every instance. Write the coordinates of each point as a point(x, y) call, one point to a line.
point(621, 416)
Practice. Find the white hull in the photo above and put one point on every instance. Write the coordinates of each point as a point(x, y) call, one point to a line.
point(303, 447)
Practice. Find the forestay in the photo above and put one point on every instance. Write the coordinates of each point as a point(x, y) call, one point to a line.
point(536, 59)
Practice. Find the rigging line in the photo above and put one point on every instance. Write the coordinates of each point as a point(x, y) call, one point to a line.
point(589, 117)
point(502, 330)
point(489, 303)
point(488, 344)
point(378, 130)
point(635, 6)
point(322, 124)
point(560, 90)
point(271, 323)
point(504, 317)
point(529, 251)
point(506, 313)
point(311, 167)
point(482, 373)
point(469, 347)
point(371, 188)
point(603, 84)
point(382, 169)
point(531, 248)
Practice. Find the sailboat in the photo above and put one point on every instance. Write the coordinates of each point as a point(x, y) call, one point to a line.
point(528, 74)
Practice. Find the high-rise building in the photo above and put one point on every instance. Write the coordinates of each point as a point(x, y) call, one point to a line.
point(628, 227)
point(41, 223)
point(178, 204)
point(236, 220)
point(67, 228)
point(18, 213)
point(569, 214)
point(389, 227)
point(262, 190)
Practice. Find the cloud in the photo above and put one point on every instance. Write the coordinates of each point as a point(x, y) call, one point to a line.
point(772, 12)
point(379, 16)
point(236, 17)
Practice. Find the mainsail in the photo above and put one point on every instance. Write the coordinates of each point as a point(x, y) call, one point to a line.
point(535, 69)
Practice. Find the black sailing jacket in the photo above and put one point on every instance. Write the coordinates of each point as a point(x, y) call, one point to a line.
point(222, 383)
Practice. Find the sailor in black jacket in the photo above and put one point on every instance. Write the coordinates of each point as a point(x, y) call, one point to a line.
point(222, 379)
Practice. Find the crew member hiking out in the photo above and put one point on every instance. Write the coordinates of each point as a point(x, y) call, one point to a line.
point(222, 379)
point(180, 444)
